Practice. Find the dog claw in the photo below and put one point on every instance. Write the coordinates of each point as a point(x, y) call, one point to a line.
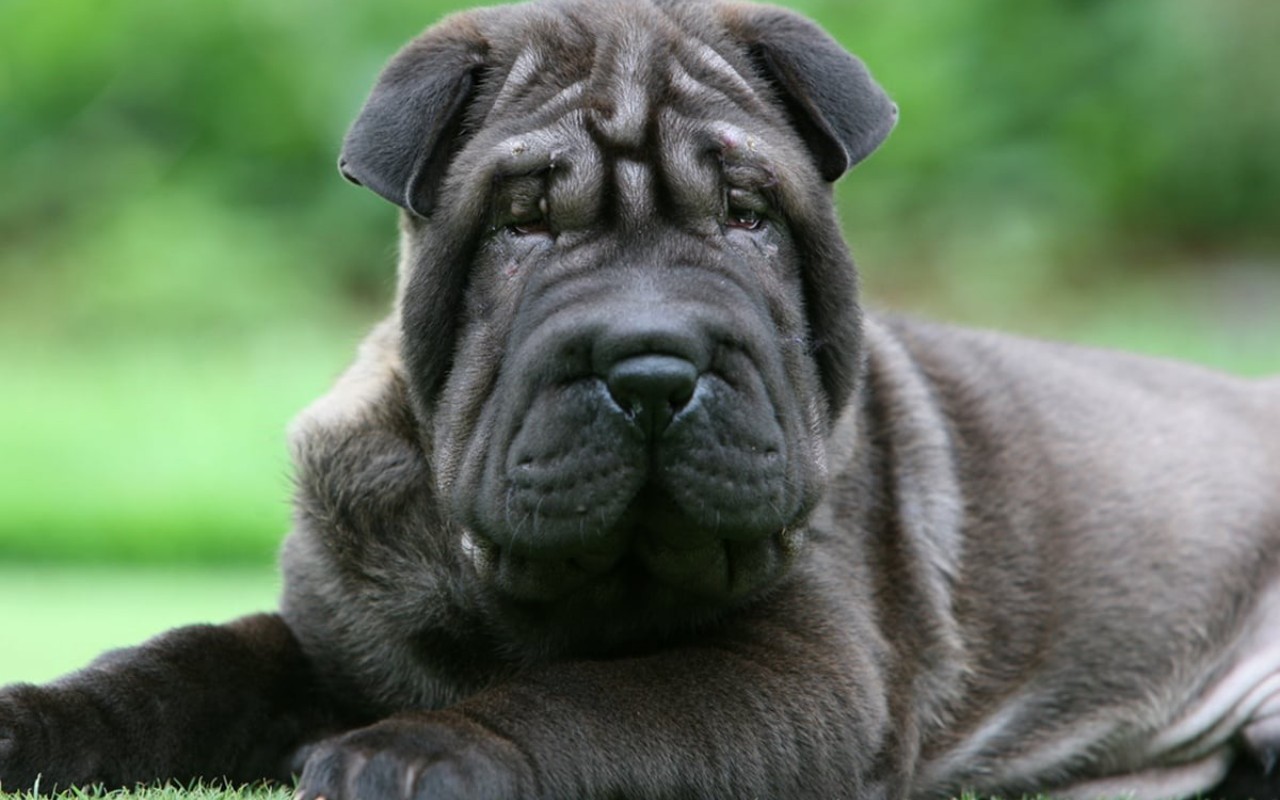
point(1268, 760)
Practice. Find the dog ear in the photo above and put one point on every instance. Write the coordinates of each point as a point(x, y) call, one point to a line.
point(839, 110)
point(400, 144)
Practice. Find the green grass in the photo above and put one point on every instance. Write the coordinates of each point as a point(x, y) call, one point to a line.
point(168, 793)
point(155, 450)
point(57, 618)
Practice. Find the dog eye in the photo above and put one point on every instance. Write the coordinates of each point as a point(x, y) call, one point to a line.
point(529, 219)
point(532, 227)
point(746, 219)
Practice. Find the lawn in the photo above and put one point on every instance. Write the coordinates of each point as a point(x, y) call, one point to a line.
point(56, 618)
point(172, 793)
point(156, 449)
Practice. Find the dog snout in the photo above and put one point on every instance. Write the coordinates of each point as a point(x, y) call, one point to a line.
point(651, 389)
point(650, 362)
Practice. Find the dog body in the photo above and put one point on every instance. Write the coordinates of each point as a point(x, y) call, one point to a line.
point(627, 497)
point(1040, 565)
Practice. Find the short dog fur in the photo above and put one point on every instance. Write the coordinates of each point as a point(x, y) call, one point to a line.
point(627, 498)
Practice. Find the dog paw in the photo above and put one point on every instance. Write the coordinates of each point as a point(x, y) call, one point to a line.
point(416, 759)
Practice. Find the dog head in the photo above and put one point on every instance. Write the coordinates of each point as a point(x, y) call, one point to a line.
point(628, 316)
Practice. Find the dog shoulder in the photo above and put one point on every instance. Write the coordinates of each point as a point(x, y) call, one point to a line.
point(367, 386)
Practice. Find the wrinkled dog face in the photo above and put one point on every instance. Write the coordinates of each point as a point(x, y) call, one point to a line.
point(627, 312)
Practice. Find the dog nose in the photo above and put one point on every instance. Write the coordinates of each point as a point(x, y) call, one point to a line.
point(652, 389)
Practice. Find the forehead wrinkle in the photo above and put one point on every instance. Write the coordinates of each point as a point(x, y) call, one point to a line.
point(690, 176)
point(577, 185)
point(522, 75)
point(564, 102)
point(694, 93)
point(620, 85)
point(730, 143)
point(714, 69)
point(634, 189)
point(565, 151)
point(554, 143)
point(625, 90)
point(541, 113)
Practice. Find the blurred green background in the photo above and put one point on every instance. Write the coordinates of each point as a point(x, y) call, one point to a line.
point(182, 269)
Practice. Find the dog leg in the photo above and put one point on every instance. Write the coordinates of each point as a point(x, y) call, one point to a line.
point(1255, 774)
point(227, 702)
point(767, 717)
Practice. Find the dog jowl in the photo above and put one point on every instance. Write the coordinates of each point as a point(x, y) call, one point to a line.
point(627, 498)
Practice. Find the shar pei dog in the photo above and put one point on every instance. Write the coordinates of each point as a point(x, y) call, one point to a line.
point(627, 498)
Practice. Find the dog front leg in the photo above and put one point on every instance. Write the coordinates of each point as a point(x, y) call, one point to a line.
point(227, 702)
point(721, 719)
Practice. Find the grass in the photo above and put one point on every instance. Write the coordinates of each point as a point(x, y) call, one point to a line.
point(57, 618)
point(155, 450)
point(169, 793)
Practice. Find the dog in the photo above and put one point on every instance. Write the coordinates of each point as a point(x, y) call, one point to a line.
point(628, 498)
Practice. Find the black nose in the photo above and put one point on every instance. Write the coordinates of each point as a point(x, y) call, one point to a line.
point(652, 389)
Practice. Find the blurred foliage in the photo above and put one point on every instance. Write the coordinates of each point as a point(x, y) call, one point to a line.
point(181, 268)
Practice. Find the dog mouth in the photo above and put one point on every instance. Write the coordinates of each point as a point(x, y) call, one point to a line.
point(589, 506)
point(653, 481)
point(695, 570)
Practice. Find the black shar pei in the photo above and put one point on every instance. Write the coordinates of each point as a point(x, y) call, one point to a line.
point(628, 499)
